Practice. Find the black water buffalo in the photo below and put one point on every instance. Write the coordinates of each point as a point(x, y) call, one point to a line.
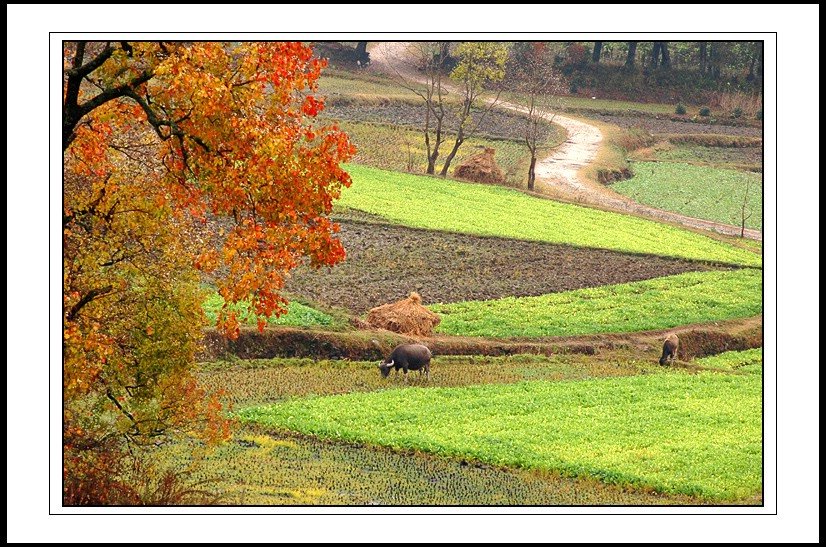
point(670, 349)
point(407, 357)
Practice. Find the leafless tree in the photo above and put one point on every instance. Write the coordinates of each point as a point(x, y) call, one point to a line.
point(540, 87)
point(429, 57)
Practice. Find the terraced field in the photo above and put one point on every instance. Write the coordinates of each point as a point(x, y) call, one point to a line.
point(654, 304)
point(437, 204)
point(458, 453)
point(609, 428)
point(691, 434)
point(697, 191)
point(388, 261)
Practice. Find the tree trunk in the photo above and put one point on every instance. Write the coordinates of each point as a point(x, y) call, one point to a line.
point(459, 140)
point(715, 60)
point(655, 54)
point(532, 172)
point(361, 52)
point(431, 155)
point(434, 155)
point(632, 52)
point(703, 57)
point(597, 52)
point(666, 58)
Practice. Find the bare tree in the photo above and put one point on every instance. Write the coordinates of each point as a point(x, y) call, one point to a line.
point(428, 57)
point(539, 84)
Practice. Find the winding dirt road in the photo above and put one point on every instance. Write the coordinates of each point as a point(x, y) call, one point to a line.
point(558, 175)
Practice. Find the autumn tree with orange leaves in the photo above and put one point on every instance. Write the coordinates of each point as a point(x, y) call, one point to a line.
point(179, 160)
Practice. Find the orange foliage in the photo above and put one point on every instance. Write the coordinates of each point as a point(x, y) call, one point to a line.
point(163, 143)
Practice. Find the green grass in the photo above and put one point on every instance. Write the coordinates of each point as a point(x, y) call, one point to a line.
point(661, 303)
point(298, 314)
point(249, 382)
point(697, 191)
point(394, 147)
point(750, 361)
point(607, 106)
point(438, 204)
point(369, 91)
point(720, 157)
point(677, 433)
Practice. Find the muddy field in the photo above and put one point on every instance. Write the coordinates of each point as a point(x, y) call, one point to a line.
point(666, 126)
point(497, 123)
point(385, 263)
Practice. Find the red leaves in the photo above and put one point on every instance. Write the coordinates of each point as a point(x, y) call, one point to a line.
point(312, 106)
point(220, 135)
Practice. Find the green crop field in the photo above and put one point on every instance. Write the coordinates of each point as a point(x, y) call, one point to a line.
point(695, 434)
point(660, 303)
point(298, 314)
point(744, 361)
point(745, 158)
point(697, 191)
point(438, 204)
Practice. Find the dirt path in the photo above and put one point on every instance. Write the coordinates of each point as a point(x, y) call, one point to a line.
point(558, 174)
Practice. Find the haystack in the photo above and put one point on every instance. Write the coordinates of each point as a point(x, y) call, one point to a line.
point(481, 168)
point(406, 316)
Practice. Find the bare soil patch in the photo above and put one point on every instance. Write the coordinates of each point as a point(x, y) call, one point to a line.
point(385, 263)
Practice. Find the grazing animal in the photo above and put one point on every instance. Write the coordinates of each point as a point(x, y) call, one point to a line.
point(669, 349)
point(407, 357)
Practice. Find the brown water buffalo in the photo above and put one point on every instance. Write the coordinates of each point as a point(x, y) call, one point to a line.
point(670, 349)
point(407, 357)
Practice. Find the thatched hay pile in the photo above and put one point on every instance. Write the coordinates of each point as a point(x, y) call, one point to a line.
point(406, 316)
point(481, 168)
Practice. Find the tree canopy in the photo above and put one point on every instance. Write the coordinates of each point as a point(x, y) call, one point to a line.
point(179, 157)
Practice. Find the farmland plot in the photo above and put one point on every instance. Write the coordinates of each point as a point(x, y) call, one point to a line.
point(438, 204)
point(696, 434)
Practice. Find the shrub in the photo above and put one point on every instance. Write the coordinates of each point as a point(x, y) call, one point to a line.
point(577, 55)
point(680, 109)
point(759, 114)
point(705, 111)
point(730, 103)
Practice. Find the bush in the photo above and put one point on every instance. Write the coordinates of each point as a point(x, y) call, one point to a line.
point(680, 109)
point(759, 114)
point(576, 55)
point(737, 112)
point(705, 111)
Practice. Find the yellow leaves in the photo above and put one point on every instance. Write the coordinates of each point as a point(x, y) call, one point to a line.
point(138, 206)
